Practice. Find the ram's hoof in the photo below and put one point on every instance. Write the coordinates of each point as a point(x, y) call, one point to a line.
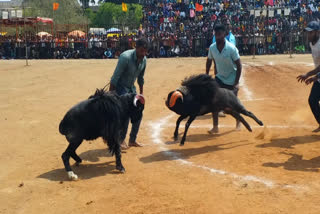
point(121, 169)
point(72, 176)
point(78, 163)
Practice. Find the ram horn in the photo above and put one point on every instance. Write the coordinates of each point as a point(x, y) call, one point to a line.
point(139, 98)
point(174, 97)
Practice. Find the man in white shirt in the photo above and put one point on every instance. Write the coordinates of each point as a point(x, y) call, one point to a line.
point(227, 66)
point(314, 75)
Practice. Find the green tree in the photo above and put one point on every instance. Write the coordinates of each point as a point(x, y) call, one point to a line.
point(104, 16)
point(91, 16)
point(111, 15)
point(69, 12)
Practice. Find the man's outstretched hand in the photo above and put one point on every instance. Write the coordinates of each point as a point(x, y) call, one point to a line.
point(302, 78)
point(311, 80)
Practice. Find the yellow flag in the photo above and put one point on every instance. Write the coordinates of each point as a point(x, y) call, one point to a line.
point(124, 7)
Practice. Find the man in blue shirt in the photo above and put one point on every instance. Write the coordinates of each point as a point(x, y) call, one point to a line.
point(230, 37)
point(227, 66)
point(131, 67)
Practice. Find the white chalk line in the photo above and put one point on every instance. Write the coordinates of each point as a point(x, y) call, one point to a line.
point(257, 99)
point(170, 125)
point(253, 64)
point(304, 63)
point(157, 128)
point(247, 92)
point(271, 63)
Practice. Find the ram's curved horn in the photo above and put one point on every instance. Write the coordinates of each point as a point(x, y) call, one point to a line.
point(173, 99)
point(139, 98)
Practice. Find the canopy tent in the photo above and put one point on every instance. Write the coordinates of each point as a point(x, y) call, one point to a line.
point(113, 35)
point(27, 21)
point(42, 33)
point(45, 20)
point(78, 33)
point(117, 34)
point(98, 31)
point(33, 22)
point(114, 30)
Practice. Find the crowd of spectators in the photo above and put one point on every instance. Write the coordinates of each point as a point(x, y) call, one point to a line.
point(64, 47)
point(185, 28)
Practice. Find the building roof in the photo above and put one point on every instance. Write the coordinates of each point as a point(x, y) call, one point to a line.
point(6, 4)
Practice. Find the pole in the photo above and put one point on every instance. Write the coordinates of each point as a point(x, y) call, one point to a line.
point(87, 34)
point(86, 42)
point(254, 29)
point(25, 33)
point(17, 36)
point(54, 25)
point(290, 35)
point(267, 30)
point(290, 43)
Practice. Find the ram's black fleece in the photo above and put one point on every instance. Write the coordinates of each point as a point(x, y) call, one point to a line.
point(201, 94)
point(101, 115)
point(202, 87)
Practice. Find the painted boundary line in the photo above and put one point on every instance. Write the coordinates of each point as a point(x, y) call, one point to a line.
point(257, 99)
point(159, 126)
point(271, 63)
point(170, 125)
point(247, 92)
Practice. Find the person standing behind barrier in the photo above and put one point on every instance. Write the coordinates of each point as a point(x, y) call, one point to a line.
point(230, 37)
point(227, 67)
point(314, 75)
point(131, 67)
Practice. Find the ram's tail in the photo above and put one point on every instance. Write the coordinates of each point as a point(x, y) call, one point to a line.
point(63, 127)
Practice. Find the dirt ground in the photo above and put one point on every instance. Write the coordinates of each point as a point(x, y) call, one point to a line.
point(275, 169)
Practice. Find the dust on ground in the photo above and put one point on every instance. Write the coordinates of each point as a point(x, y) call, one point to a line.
point(283, 158)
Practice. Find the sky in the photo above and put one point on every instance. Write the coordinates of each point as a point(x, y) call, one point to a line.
point(89, 3)
point(96, 1)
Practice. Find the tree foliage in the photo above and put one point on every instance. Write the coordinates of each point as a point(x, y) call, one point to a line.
point(69, 12)
point(111, 15)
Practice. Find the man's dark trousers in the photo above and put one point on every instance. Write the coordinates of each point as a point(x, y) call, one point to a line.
point(314, 100)
point(135, 126)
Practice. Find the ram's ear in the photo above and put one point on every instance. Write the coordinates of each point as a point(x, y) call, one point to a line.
point(174, 97)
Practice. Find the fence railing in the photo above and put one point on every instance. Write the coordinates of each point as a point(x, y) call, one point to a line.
point(259, 45)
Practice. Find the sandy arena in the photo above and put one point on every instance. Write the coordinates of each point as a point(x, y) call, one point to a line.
point(275, 169)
